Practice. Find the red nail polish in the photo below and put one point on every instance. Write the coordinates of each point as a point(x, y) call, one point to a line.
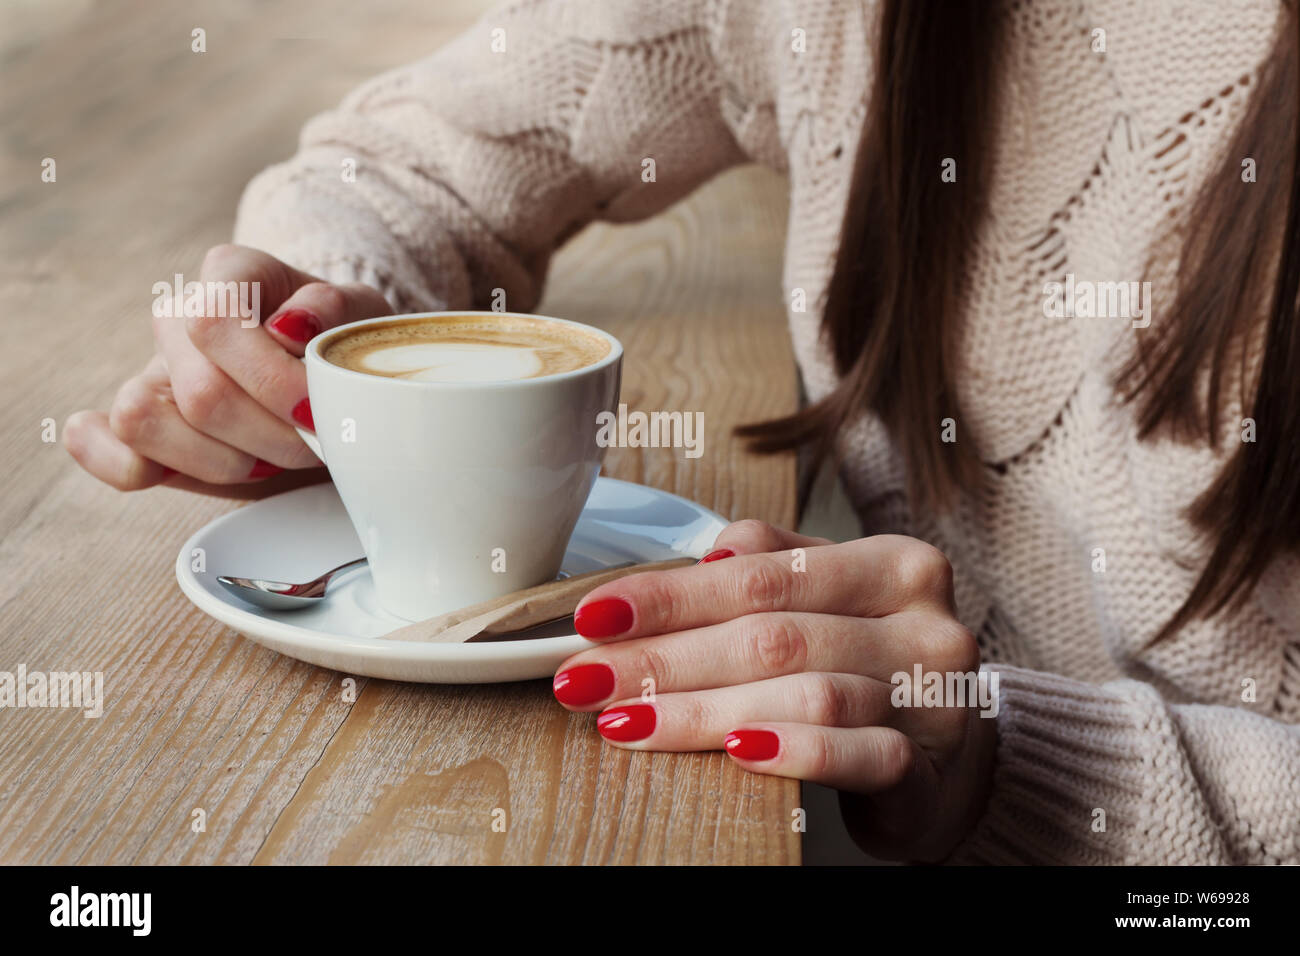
point(752, 744)
point(717, 555)
point(264, 469)
point(583, 685)
point(297, 324)
point(604, 618)
point(302, 414)
point(627, 723)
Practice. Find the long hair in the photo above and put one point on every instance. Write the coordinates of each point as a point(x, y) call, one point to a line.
point(907, 235)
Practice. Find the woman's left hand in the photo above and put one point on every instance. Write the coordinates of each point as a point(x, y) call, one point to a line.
point(783, 655)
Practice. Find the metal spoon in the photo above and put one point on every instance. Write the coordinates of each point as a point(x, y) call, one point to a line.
point(279, 596)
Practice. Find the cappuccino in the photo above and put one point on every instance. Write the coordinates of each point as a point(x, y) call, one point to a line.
point(456, 438)
point(466, 348)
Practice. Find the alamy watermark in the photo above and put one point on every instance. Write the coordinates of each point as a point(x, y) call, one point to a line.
point(181, 299)
point(683, 430)
point(977, 689)
point(1085, 299)
point(75, 908)
point(79, 690)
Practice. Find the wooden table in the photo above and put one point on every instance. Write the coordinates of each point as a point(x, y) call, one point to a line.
point(153, 144)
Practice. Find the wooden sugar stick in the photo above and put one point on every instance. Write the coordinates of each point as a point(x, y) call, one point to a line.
point(520, 610)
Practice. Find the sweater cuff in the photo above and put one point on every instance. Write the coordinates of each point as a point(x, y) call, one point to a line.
point(1071, 777)
point(318, 234)
point(341, 269)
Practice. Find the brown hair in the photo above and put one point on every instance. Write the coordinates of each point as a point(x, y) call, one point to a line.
point(895, 293)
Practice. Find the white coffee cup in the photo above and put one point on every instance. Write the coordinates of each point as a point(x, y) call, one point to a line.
point(460, 491)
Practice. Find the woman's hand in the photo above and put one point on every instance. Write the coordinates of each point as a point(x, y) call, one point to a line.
point(783, 655)
point(219, 400)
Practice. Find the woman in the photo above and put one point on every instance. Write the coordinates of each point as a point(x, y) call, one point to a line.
point(1048, 252)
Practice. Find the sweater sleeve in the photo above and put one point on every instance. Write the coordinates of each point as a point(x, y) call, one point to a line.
point(445, 180)
point(1091, 774)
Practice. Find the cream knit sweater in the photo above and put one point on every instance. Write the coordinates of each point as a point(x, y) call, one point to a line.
point(473, 165)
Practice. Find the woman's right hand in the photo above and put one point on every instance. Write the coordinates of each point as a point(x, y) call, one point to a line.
point(218, 401)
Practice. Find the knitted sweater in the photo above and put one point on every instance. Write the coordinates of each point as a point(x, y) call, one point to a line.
point(474, 164)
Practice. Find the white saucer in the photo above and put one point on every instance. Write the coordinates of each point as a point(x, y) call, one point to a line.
point(297, 535)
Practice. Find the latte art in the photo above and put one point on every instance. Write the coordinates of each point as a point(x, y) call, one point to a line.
point(466, 348)
point(454, 362)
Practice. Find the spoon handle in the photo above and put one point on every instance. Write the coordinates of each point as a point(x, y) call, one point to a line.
point(355, 563)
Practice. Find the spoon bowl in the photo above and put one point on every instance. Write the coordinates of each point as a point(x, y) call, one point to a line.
point(280, 595)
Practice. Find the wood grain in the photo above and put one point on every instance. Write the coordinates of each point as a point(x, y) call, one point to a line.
point(290, 763)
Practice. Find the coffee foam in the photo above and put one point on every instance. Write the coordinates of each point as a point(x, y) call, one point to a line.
point(465, 348)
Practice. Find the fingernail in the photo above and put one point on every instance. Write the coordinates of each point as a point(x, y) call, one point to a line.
point(752, 744)
point(583, 685)
point(717, 555)
point(297, 324)
point(604, 618)
point(264, 469)
point(302, 414)
point(626, 724)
